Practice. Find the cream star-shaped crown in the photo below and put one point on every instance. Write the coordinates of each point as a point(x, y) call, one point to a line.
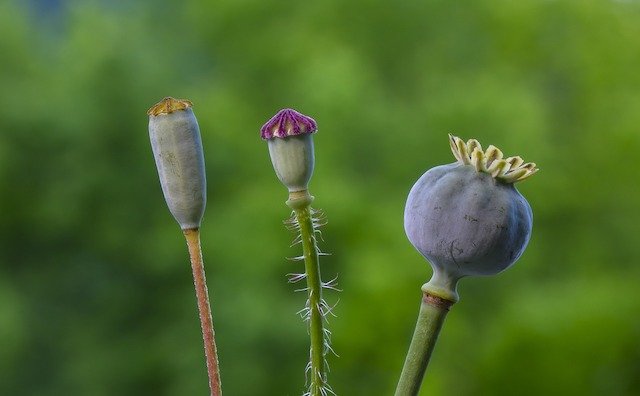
point(508, 170)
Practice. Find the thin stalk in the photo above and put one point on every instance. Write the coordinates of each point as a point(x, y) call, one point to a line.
point(314, 285)
point(200, 283)
point(433, 311)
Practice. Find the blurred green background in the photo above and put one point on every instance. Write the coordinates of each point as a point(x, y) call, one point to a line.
point(96, 294)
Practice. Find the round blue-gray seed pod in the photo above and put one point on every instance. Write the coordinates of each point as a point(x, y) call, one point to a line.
point(466, 222)
point(468, 218)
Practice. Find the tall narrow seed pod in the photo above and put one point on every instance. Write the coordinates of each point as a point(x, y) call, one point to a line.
point(177, 148)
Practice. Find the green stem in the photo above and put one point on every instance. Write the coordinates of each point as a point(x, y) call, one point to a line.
point(433, 311)
point(302, 210)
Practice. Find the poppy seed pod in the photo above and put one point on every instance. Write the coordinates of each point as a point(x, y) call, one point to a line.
point(290, 140)
point(177, 148)
point(467, 218)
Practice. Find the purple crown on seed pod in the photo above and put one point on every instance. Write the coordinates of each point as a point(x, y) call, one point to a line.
point(288, 122)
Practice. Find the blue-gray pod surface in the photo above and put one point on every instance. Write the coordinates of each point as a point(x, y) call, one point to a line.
point(468, 218)
point(467, 222)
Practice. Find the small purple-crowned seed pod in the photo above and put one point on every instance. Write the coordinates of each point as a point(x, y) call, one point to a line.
point(177, 148)
point(467, 218)
point(290, 140)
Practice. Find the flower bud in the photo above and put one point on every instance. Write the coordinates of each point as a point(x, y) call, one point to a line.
point(177, 148)
point(467, 218)
point(290, 140)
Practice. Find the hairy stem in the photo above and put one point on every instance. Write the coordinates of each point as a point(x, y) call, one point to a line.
point(433, 311)
point(316, 325)
point(200, 283)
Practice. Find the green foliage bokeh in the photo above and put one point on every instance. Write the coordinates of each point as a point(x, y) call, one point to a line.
point(96, 294)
